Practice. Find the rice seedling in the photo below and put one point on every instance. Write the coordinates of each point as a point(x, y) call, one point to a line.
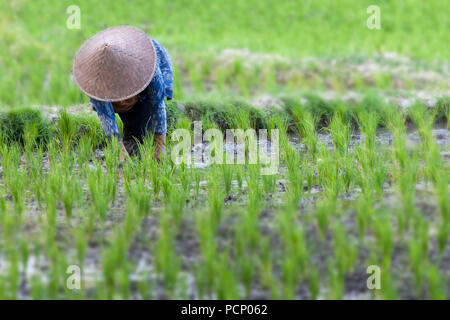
point(418, 252)
point(265, 265)
point(329, 176)
point(384, 235)
point(345, 250)
point(294, 264)
point(67, 130)
point(336, 282)
point(70, 193)
point(197, 177)
point(365, 213)
point(340, 133)
point(295, 174)
point(14, 177)
point(185, 177)
point(84, 150)
point(244, 250)
point(146, 287)
point(102, 190)
point(156, 182)
point(314, 285)
point(281, 124)
point(176, 205)
point(37, 178)
point(36, 288)
point(269, 183)
point(205, 272)
point(389, 289)
point(116, 266)
point(13, 276)
point(323, 211)
point(215, 197)
point(239, 176)
point(227, 282)
point(436, 284)
point(424, 122)
point(306, 125)
point(138, 193)
point(227, 176)
point(81, 242)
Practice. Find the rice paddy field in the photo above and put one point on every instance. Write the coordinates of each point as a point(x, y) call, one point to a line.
point(362, 182)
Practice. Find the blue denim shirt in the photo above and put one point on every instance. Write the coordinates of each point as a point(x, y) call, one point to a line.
point(160, 87)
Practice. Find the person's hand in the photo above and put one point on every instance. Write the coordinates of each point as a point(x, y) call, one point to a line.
point(123, 152)
point(160, 146)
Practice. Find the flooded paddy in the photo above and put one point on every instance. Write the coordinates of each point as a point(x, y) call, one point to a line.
point(325, 230)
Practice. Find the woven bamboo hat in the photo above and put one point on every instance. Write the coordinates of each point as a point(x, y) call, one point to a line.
point(115, 64)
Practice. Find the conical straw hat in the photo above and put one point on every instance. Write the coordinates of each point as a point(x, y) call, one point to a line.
point(115, 64)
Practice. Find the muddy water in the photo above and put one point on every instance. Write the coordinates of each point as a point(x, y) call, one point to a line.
point(384, 138)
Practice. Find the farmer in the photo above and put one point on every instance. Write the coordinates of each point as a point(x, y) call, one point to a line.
point(123, 71)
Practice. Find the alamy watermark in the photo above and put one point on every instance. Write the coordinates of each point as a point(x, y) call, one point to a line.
point(73, 281)
point(242, 147)
point(74, 19)
point(374, 20)
point(374, 280)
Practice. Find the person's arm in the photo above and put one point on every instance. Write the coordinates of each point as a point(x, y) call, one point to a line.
point(107, 118)
point(166, 69)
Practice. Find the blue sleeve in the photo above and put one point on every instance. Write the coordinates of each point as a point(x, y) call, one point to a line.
point(159, 119)
point(155, 94)
point(165, 66)
point(107, 118)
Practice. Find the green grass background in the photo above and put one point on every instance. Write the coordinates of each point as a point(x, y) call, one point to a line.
point(37, 48)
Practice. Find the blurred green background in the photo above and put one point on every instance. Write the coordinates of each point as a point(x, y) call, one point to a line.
point(37, 48)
